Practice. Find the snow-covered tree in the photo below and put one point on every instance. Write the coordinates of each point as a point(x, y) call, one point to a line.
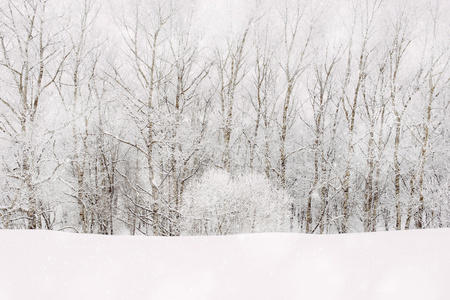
point(219, 203)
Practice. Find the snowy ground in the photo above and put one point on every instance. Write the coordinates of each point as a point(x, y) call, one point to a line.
point(386, 265)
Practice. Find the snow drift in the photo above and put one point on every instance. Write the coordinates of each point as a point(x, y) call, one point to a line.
point(385, 265)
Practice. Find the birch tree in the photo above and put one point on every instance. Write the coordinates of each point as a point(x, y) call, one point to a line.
point(321, 94)
point(296, 40)
point(400, 95)
point(33, 53)
point(230, 68)
point(144, 34)
point(436, 80)
point(351, 94)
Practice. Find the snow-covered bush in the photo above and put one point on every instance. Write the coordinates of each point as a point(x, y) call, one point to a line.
point(219, 203)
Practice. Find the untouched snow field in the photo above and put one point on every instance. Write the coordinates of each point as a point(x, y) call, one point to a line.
point(385, 265)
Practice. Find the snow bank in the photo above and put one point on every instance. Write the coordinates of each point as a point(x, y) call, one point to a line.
point(386, 265)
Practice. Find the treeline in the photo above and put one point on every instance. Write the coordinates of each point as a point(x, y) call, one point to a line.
point(183, 117)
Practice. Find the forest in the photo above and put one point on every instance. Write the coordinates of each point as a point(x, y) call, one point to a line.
point(196, 117)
